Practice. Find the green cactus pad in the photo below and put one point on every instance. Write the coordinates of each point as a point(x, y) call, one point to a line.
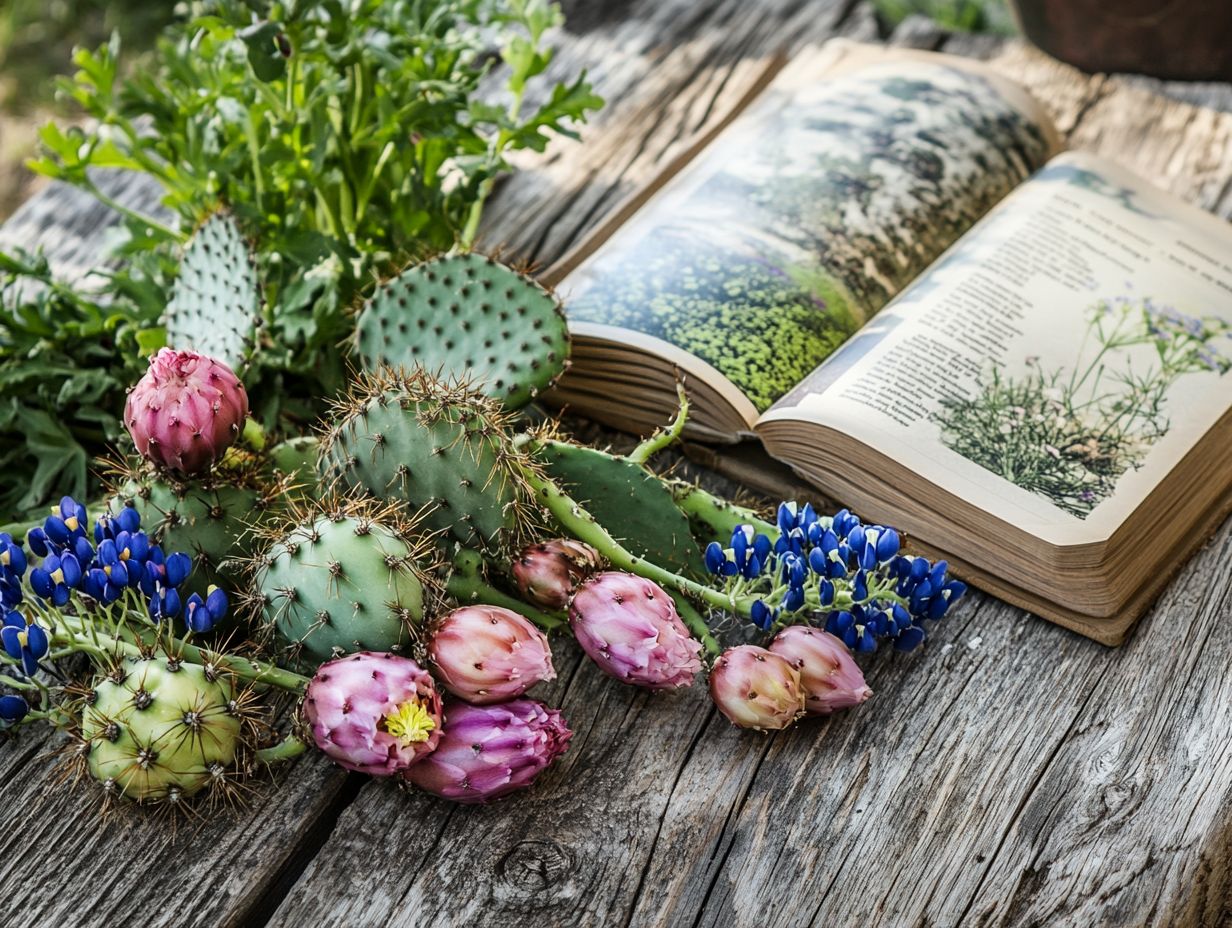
point(215, 305)
point(296, 459)
point(342, 580)
point(212, 519)
point(634, 505)
point(468, 317)
point(442, 448)
point(155, 730)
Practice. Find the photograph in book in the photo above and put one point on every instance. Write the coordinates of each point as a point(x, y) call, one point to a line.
point(800, 222)
point(1057, 363)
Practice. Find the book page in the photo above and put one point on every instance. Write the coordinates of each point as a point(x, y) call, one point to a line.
point(1056, 364)
point(808, 213)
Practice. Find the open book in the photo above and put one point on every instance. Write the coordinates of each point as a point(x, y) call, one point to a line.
point(885, 271)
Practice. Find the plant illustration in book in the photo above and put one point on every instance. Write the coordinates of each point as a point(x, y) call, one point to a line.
point(1068, 433)
point(806, 223)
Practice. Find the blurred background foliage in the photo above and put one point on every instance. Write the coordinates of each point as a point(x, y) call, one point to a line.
point(37, 38)
point(956, 15)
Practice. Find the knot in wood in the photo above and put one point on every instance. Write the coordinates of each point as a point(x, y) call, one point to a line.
point(530, 867)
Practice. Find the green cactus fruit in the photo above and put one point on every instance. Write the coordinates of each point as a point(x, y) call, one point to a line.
point(633, 504)
point(442, 448)
point(468, 317)
point(215, 305)
point(341, 576)
point(296, 459)
point(156, 729)
point(211, 519)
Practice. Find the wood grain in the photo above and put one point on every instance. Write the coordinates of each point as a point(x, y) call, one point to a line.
point(1010, 774)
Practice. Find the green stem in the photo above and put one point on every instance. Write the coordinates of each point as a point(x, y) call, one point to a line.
point(583, 526)
point(173, 234)
point(717, 514)
point(467, 585)
point(83, 639)
point(662, 438)
point(286, 749)
point(696, 624)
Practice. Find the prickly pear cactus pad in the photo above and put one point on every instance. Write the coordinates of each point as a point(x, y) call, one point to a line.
point(215, 305)
point(158, 729)
point(211, 519)
point(341, 576)
point(441, 447)
point(468, 316)
point(634, 505)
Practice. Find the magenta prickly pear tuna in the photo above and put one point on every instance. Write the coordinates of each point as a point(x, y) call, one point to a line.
point(186, 411)
point(831, 678)
point(486, 654)
point(548, 573)
point(756, 688)
point(489, 751)
point(373, 712)
point(629, 626)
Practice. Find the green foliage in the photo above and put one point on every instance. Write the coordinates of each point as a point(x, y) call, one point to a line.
point(634, 505)
point(66, 360)
point(468, 316)
point(215, 305)
point(957, 15)
point(345, 138)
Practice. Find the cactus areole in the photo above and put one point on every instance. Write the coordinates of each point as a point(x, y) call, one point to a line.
point(186, 411)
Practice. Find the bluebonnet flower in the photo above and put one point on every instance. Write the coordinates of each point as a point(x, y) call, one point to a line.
point(12, 710)
point(24, 641)
point(837, 572)
point(57, 577)
point(164, 602)
point(201, 615)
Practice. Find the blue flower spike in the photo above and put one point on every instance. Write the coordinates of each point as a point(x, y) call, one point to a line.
point(24, 641)
point(838, 573)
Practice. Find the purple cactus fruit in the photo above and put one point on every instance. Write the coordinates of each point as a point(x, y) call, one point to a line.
point(487, 654)
point(186, 411)
point(373, 712)
point(756, 688)
point(548, 573)
point(629, 627)
point(831, 679)
point(488, 751)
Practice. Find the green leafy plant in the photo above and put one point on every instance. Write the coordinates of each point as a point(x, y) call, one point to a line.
point(66, 360)
point(346, 139)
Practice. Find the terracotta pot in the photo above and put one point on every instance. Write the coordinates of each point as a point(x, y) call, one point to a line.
point(1182, 39)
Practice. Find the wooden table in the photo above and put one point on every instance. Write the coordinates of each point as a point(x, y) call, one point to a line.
point(1010, 773)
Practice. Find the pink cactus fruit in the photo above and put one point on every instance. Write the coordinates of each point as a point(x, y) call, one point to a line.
point(489, 751)
point(756, 688)
point(373, 712)
point(832, 680)
point(547, 574)
point(186, 411)
point(629, 627)
point(487, 654)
